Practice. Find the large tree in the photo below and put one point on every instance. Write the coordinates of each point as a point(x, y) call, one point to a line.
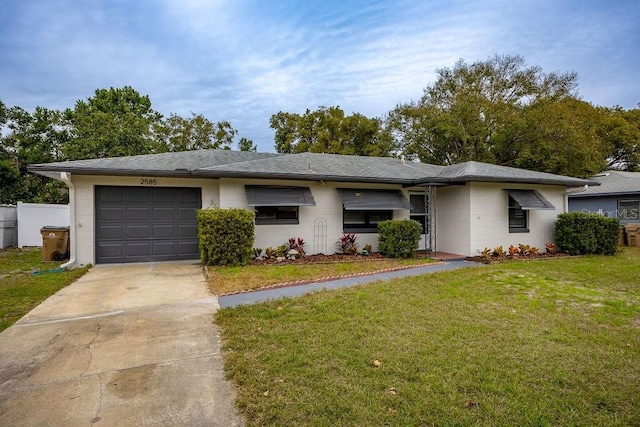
point(498, 111)
point(620, 129)
point(27, 138)
point(114, 122)
point(562, 137)
point(329, 130)
point(177, 133)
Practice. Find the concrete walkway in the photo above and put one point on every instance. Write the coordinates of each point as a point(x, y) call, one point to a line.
point(124, 345)
point(292, 291)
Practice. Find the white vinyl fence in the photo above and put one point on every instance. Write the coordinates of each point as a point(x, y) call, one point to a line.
point(8, 226)
point(33, 216)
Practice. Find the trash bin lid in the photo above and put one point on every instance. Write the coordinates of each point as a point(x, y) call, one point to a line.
point(55, 228)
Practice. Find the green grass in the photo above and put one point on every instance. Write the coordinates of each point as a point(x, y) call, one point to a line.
point(20, 291)
point(229, 279)
point(527, 343)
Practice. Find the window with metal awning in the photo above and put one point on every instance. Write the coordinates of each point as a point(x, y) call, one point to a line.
point(278, 204)
point(529, 200)
point(520, 203)
point(358, 200)
point(364, 209)
point(268, 195)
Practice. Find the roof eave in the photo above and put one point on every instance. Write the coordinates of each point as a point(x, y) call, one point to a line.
point(298, 177)
point(567, 182)
point(607, 194)
point(47, 171)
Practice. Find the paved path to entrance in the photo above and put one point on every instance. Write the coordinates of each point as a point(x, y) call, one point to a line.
point(125, 345)
point(292, 291)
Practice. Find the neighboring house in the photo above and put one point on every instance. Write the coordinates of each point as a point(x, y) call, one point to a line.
point(617, 196)
point(142, 208)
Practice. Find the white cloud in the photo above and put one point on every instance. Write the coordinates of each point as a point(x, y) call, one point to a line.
point(242, 60)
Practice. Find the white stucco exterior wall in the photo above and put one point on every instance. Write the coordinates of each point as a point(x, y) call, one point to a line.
point(84, 205)
point(490, 216)
point(453, 228)
point(475, 216)
point(328, 206)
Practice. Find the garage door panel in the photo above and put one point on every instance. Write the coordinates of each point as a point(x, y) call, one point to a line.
point(135, 224)
point(138, 213)
point(191, 197)
point(164, 248)
point(111, 195)
point(111, 214)
point(136, 195)
point(187, 231)
point(139, 231)
point(164, 231)
point(164, 214)
point(186, 214)
point(138, 249)
point(165, 195)
point(111, 250)
point(110, 232)
point(188, 248)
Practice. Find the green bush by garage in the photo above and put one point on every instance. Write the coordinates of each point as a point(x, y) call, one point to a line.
point(226, 236)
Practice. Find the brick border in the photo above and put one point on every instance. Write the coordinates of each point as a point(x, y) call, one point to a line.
point(321, 279)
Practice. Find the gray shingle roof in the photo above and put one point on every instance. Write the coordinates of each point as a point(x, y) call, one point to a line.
point(303, 166)
point(326, 167)
point(485, 172)
point(163, 164)
point(613, 182)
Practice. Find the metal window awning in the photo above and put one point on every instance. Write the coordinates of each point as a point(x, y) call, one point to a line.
point(364, 200)
point(529, 200)
point(266, 195)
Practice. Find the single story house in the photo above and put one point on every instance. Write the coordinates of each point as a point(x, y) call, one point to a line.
point(142, 208)
point(617, 196)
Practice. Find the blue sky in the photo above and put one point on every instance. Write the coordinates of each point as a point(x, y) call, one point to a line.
point(243, 61)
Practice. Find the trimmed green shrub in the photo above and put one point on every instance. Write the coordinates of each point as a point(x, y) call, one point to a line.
point(226, 236)
point(398, 239)
point(579, 233)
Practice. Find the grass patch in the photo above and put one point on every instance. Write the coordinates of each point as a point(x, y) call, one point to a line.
point(526, 343)
point(20, 291)
point(229, 279)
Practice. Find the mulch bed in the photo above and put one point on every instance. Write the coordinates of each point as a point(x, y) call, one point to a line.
point(324, 259)
point(533, 257)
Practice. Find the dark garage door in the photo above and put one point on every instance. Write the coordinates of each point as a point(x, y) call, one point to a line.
point(136, 224)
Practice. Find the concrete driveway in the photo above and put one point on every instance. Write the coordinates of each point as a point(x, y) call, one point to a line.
point(125, 345)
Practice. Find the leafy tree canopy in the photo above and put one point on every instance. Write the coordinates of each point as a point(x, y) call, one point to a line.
point(329, 130)
point(113, 123)
point(24, 139)
point(505, 112)
point(620, 129)
point(246, 145)
point(176, 133)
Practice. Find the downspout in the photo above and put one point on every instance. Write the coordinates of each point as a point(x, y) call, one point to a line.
point(66, 178)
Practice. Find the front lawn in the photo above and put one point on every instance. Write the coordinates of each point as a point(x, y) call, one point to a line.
point(527, 343)
point(20, 290)
point(229, 279)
